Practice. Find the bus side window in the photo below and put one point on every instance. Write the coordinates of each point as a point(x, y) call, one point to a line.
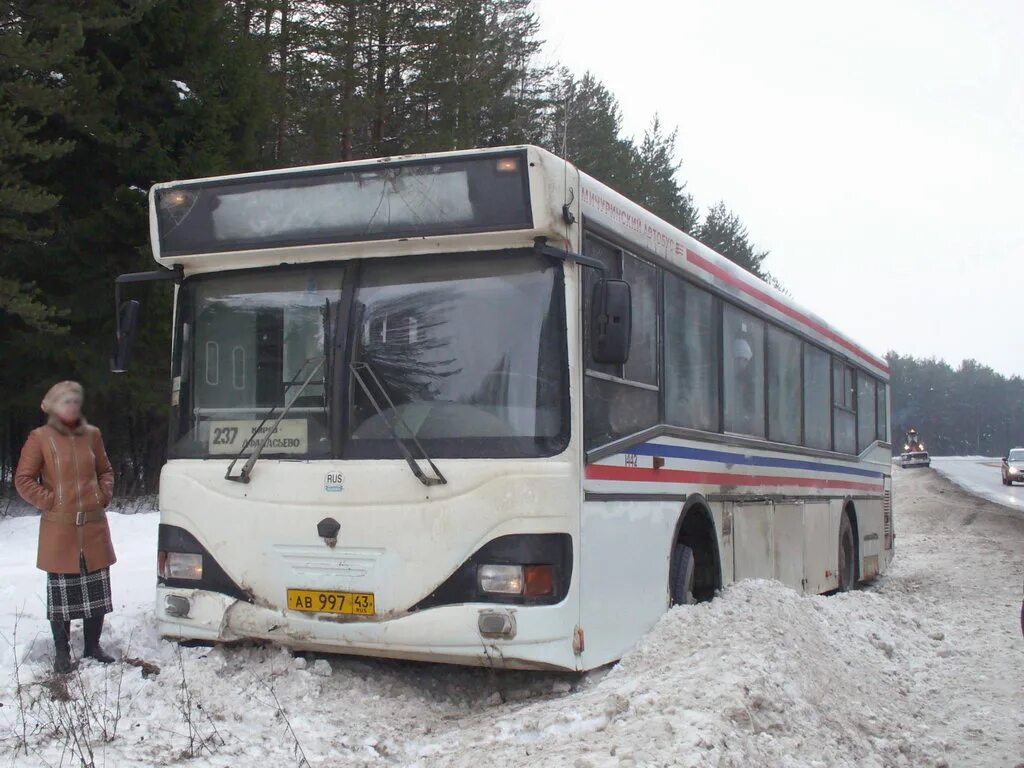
point(691, 356)
point(620, 400)
point(610, 257)
point(844, 417)
point(881, 427)
point(642, 365)
point(784, 390)
point(642, 277)
point(865, 410)
point(743, 372)
point(817, 411)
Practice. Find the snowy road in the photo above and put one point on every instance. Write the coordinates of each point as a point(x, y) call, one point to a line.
point(925, 668)
point(981, 477)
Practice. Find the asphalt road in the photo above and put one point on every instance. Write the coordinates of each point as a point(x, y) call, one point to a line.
point(981, 477)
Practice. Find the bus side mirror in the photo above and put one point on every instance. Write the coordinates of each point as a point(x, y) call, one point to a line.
point(611, 321)
point(127, 324)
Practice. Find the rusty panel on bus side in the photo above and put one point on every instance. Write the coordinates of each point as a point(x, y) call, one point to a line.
point(723, 514)
point(753, 548)
point(788, 541)
point(820, 547)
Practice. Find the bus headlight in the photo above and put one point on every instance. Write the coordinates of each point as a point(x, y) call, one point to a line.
point(181, 565)
point(528, 580)
point(501, 579)
point(515, 569)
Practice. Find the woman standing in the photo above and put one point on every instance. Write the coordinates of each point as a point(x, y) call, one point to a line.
point(64, 472)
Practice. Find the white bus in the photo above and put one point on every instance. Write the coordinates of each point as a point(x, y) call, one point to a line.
point(476, 407)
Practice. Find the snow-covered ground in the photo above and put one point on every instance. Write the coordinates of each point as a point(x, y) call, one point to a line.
point(925, 668)
point(981, 476)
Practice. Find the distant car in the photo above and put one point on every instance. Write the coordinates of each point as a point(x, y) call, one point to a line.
point(917, 459)
point(1013, 467)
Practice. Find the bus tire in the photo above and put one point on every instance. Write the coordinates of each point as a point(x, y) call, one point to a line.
point(847, 570)
point(685, 575)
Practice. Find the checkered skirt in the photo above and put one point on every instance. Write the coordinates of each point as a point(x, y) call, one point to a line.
point(78, 595)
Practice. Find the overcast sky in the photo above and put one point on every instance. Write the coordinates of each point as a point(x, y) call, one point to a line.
point(875, 148)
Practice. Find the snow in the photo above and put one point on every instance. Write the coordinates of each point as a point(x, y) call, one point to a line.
point(183, 90)
point(924, 668)
point(980, 475)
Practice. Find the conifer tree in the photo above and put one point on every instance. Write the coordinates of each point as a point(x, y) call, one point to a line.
point(655, 182)
point(473, 75)
point(35, 46)
point(723, 231)
point(585, 127)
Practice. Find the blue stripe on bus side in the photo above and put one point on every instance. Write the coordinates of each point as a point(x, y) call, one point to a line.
point(703, 454)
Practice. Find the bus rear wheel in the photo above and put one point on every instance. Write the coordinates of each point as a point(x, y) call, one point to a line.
point(695, 574)
point(685, 570)
point(847, 554)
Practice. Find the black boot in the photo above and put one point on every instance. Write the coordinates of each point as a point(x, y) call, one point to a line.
point(93, 630)
point(61, 647)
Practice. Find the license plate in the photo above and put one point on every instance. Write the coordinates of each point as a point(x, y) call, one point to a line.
point(318, 601)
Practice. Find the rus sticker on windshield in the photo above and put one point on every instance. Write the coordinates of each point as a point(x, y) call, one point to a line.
point(228, 437)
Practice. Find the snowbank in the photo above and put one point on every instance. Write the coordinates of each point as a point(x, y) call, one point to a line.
point(922, 669)
point(761, 676)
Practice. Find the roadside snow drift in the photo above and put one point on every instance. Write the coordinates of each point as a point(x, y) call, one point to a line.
point(922, 669)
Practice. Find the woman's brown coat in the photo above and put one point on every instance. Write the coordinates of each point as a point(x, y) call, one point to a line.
point(77, 484)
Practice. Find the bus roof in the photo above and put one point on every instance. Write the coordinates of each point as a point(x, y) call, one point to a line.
point(605, 210)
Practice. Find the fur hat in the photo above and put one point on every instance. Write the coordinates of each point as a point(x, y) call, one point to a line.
point(57, 391)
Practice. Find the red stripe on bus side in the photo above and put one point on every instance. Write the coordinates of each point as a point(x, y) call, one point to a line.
point(642, 475)
point(785, 309)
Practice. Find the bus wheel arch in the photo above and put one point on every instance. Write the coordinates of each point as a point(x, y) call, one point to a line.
point(848, 564)
point(695, 571)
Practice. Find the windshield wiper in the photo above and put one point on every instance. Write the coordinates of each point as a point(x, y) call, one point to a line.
point(246, 472)
point(438, 478)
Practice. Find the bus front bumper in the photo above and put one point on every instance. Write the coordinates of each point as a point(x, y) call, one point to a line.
point(521, 637)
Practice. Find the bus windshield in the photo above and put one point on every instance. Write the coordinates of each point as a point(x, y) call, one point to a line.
point(470, 351)
point(246, 342)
